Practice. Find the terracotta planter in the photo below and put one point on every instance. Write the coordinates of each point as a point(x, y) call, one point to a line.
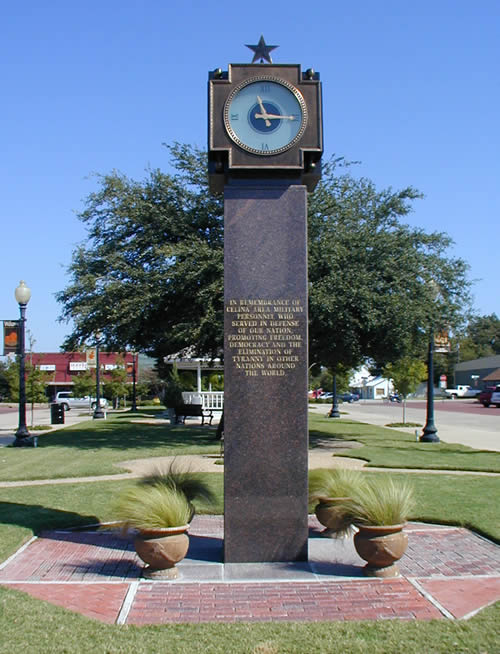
point(381, 547)
point(328, 513)
point(161, 549)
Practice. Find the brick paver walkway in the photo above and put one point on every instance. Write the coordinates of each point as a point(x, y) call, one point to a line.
point(446, 572)
point(327, 600)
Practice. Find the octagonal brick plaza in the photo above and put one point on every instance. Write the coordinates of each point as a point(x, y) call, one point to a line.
point(446, 573)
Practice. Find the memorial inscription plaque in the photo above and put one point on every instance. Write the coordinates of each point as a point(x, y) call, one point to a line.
point(265, 383)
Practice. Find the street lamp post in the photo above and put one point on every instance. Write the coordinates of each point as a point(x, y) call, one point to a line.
point(98, 412)
point(23, 437)
point(429, 434)
point(133, 408)
point(334, 411)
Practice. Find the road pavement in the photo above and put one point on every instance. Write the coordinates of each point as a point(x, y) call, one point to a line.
point(9, 420)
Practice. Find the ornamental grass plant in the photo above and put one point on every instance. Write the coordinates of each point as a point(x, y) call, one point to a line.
point(193, 485)
point(380, 501)
point(330, 489)
point(152, 507)
point(339, 482)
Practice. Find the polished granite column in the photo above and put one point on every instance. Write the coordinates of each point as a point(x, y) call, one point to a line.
point(265, 382)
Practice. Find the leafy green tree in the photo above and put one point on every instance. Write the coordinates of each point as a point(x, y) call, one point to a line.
point(35, 382)
point(84, 384)
point(150, 275)
point(149, 384)
point(372, 278)
point(322, 377)
point(214, 381)
point(12, 377)
point(172, 393)
point(406, 375)
point(481, 339)
point(142, 390)
point(4, 381)
point(116, 385)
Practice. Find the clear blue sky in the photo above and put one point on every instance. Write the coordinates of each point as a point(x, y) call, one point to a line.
point(409, 89)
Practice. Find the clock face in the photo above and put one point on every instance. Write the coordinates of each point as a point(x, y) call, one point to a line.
point(265, 115)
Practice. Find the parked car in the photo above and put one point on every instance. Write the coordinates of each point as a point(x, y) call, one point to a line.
point(495, 397)
point(68, 401)
point(343, 397)
point(490, 395)
point(349, 397)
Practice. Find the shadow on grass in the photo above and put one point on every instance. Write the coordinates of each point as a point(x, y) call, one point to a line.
point(116, 434)
point(318, 438)
point(151, 412)
point(37, 517)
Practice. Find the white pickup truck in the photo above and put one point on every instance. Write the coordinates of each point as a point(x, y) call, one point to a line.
point(462, 391)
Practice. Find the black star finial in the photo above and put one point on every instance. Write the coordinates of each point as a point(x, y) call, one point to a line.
point(262, 51)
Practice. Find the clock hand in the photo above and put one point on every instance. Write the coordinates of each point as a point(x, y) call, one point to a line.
point(274, 117)
point(263, 114)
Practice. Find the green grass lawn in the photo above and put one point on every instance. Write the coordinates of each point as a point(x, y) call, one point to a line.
point(389, 448)
point(94, 447)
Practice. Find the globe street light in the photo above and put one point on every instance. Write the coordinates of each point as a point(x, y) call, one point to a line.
point(23, 437)
point(98, 412)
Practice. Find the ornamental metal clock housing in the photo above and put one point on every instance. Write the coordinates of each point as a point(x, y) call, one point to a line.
point(264, 122)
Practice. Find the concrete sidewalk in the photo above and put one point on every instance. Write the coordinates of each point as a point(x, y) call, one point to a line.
point(446, 573)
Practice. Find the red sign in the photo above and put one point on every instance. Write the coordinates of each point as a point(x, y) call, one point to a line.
point(10, 336)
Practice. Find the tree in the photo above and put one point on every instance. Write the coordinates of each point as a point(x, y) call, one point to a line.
point(84, 384)
point(149, 383)
point(150, 275)
point(321, 377)
point(370, 275)
point(116, 386)
point(4, 381)
point(406, 375)
point(35, 384)
point(481, 339)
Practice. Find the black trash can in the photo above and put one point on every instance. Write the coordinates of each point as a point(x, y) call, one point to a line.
point(56, 414)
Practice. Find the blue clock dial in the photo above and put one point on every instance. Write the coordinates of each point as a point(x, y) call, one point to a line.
point(260, 124)
point(265, 115)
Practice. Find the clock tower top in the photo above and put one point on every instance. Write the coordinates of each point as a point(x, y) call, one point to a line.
point(265, 122)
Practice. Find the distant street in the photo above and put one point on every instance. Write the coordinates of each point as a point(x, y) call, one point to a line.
point(459, 406)
point(9, 419)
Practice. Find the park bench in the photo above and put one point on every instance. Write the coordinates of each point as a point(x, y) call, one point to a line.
point(183, 411)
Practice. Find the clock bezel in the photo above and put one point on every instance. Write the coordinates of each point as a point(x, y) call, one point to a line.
point(266, 78)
